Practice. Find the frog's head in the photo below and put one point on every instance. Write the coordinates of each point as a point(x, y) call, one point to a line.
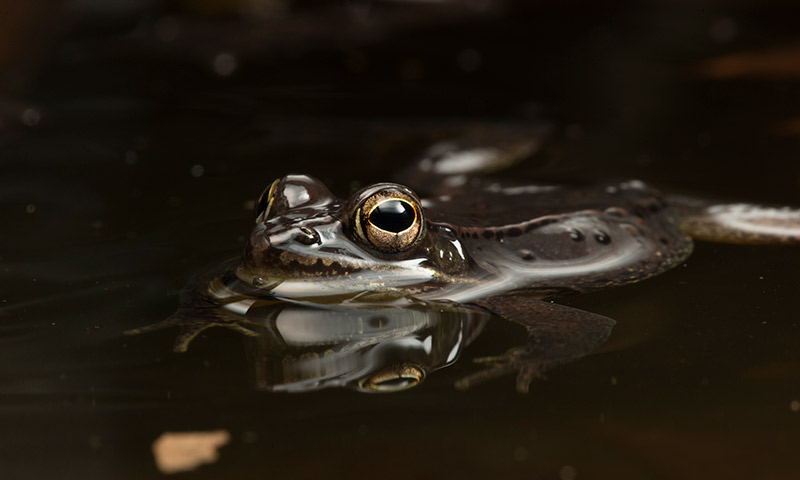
point(306, 242)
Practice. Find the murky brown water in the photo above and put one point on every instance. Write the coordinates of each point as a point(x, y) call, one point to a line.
point(132, 143)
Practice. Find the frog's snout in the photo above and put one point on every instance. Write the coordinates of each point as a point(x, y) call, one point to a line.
point(285, 236)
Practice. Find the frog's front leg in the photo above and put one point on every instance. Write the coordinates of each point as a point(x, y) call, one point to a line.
point(200, 310)
point(193, 324)
point(556, 335)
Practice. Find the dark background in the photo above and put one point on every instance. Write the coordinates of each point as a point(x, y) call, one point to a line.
point(134, 134)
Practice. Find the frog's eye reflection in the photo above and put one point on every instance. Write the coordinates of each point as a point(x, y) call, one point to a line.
point(264, 202)
point(394, 379)
point(389, 220)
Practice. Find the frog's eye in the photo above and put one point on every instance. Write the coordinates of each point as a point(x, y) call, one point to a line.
point(393, 379)
point(389, 219)
point(264, 202)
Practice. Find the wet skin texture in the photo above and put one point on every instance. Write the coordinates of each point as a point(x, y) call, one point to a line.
point(487, 247)
point(471, 244)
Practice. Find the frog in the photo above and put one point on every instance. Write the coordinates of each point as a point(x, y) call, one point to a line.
point(446, 234)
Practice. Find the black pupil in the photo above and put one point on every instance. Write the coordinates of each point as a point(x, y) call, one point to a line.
point(392, 216)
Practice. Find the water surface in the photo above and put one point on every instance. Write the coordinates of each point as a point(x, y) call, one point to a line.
point(128, 158)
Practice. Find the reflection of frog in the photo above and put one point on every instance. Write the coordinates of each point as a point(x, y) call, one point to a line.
point(371, 348)
point(501, 248)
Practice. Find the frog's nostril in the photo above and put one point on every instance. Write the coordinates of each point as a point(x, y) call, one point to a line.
point(307, 236)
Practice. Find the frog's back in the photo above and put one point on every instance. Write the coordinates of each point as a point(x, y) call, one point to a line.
point(555, 240)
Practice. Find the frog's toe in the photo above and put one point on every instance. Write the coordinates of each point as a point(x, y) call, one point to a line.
point(491, 360)
point(237, 327)
point(191, 328)
point(526, 375)
point(166, 323)
point(184, 339)
point(514, 360)
point(483, 375)
point(190, 331)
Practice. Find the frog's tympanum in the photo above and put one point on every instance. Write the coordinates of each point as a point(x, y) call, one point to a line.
point(375, 290)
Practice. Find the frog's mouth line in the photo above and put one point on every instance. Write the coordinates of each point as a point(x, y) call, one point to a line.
point(297, 276)
point(307, 265)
